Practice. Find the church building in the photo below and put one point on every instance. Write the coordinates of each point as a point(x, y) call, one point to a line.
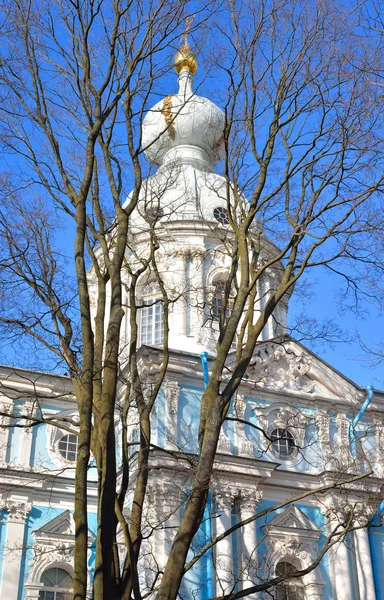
point(288, 431)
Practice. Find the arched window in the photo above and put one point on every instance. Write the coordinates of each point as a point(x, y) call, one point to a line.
point(217, 301)
point(283, 442)
point(290, 589)
point(152, 314)
point(68, 446)
point(57, 585)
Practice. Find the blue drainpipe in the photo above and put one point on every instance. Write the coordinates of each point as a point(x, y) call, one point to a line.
point(357, 418)
point(352, 438)
point(207, 522)
point(204, 364)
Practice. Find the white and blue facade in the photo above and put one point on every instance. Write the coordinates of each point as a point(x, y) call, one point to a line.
point(302, 404)
point(37, 482)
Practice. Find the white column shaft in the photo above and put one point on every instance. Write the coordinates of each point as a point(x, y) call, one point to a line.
point(342, 575)
point(25, 450)
point(249, 549)
point(179, 284)
point(224, 562)
point(12, 560)
point(171, 523)
point(364, 565)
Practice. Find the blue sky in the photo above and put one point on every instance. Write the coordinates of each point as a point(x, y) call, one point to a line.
point(324, 304)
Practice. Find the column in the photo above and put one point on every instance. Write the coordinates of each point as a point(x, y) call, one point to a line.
point(322, 422)
point(343, 439)
point(172, 392)
point(340, 566)
point(364, 564)
point(152, 559)
point(248, 506)
point(26, 436)
point(197, 290)
point(180, 288)
point(5, 408)
point(171, 496)
point(223, 549)
point(17, 513)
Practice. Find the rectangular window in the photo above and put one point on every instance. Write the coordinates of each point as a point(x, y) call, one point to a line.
point(152, 325)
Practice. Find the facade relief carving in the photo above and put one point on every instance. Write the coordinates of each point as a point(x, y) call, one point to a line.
point(280, 368)
point(243, 446)
point(172, 391)
point(17, 511)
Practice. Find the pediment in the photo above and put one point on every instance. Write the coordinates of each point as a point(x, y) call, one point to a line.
point(293, 518)
point(63, 524)
point(287, 366)
point(61, 528)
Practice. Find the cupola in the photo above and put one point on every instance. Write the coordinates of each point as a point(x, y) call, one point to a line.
point(184, 126)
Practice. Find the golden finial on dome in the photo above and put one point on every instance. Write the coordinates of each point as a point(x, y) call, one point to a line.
point(185, 58)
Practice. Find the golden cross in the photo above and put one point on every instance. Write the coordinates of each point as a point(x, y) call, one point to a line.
point(184, 37)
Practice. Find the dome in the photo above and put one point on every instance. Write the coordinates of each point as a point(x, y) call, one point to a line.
point(183, 119)
point(181, 192)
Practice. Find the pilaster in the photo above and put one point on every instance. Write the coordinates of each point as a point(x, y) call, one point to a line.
point(363, 554)
point(223, 549)
point(247, 503)
point(323, 423)
point(29, 410)
point(14, 547)
point(172, 393)
point(5, 408)
point(339, 554)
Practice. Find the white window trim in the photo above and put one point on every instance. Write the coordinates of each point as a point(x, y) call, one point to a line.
point(55, 433)
point(155, 306)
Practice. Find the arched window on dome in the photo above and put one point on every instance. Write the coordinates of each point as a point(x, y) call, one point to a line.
point(57, 585)
point(290, 589)
point(217, 301)
point(152, 315)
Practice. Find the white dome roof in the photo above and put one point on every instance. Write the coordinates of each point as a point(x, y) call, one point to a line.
point(179, 192)
point(183, 119)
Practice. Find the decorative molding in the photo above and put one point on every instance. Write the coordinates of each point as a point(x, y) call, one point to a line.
point(249, 499)
point(17, 511)
point(291, 535)
point(172, 392)
point(225, 497)
point(189, 251)
point(281, 368)
point(55, 433)
point(54, 547)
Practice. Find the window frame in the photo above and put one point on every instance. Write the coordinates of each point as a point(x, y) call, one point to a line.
point(279, 439)
point(60, 440)
point(216, 301)
point(151, 323)
point(295, 586)
point(55, 589)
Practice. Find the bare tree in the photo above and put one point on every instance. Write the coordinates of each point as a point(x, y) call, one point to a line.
point(302, 142)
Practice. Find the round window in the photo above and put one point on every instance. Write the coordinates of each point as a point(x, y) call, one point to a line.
point(68, 446)
point(283, 442)
point(221, 214)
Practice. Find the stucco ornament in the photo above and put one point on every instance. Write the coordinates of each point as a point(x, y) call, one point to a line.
point(281, 368)
point(53, 548)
